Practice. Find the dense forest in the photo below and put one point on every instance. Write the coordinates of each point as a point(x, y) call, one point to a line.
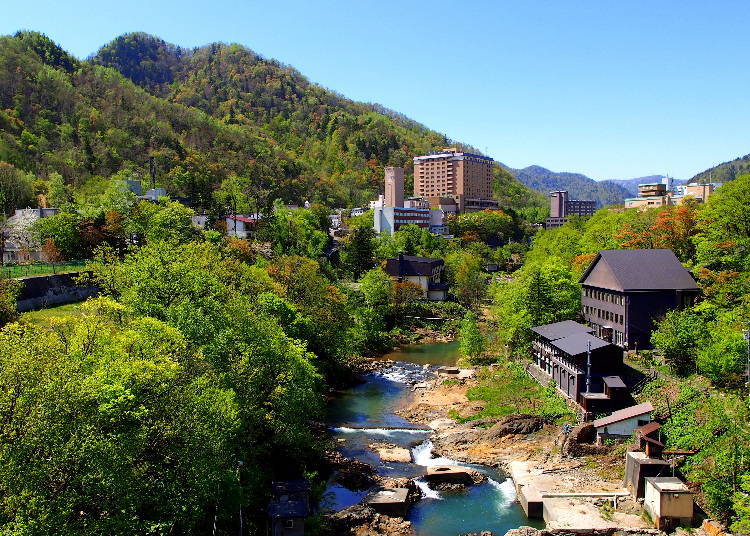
point(579, 186)
point(210, 118)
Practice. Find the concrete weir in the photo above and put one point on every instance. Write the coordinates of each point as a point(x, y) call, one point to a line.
point(390, 502)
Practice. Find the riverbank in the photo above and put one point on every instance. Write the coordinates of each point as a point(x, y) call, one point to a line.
point(534, 454)
point(367, 430)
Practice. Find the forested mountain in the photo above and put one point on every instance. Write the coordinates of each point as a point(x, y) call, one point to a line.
point(725, 172)
point(205, 116)
point(580, 186)
point(631, 185)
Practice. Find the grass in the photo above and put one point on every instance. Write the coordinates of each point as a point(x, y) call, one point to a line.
point(43, 316)
point(41, 268)
point(507, 389)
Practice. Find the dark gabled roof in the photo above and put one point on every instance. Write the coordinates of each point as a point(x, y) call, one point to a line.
point(558, 330)
point(405, 265)
point(638, 269)
point(578, 343)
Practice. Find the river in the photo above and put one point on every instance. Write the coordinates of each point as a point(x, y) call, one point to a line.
point(365, 414)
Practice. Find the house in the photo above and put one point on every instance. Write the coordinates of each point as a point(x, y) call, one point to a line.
point(289, 507)
point(622, 423)
point(240, 226)
point(625, 291)
point(578, 362)
point(426, 272)
point(669, 502)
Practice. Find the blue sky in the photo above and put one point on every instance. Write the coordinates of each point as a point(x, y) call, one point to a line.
point(609, 89)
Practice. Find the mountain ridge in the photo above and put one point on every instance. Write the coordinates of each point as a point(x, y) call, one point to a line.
point(203, 116)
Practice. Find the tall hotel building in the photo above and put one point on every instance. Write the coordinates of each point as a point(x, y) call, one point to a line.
point(464, 177)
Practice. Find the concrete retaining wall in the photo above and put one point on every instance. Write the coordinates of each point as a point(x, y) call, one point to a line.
point(40, 292)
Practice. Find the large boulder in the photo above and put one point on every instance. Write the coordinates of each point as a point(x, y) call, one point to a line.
point(519, 424)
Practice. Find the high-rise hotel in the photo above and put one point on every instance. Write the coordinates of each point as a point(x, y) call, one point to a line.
point(464, 177)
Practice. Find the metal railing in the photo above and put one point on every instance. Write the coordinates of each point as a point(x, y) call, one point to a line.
point(14, 271)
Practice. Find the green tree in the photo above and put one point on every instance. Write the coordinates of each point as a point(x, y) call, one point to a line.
point(9, 291)
point(357, 251)
point(376, 286)
point(677, 338)
point(16, 189)
point(62, 229)
point(171, 223)
point(466, 278)
point(471, 341)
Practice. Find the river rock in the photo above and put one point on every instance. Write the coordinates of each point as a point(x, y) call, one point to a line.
point(362, 520)
point(345, 521)
point(442, 424)
point(456, 439)
point(352, 474)
point(519, 424)
point(391, 453)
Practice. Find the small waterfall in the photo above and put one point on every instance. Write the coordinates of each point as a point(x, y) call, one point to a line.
point(422, 455)
point(427, 493)
point(507, 490)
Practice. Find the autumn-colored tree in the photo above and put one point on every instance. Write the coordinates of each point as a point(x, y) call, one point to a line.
point(405, 292)
point(50, 251)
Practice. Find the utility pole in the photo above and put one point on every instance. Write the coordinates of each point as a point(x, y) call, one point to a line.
point(152, 171)
point(588, 367)
point(746, 334)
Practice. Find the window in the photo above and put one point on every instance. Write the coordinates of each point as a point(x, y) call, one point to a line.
point(289, 523)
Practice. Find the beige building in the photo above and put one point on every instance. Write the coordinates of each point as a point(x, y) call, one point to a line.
point(394, 187)
point(465, 177)
point(669, 502)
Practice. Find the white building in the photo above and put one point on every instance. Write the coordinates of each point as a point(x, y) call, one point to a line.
point(240, 226)
point(622, 423)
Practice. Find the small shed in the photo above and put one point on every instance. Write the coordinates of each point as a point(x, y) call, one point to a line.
point(638, 467)
point(287, 518)
point(648, 439)
point(289, 507)
point(621, 424)
point(669, 502)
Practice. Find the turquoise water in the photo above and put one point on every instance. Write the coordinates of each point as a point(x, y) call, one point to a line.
point(432, 353)
point(364, 414)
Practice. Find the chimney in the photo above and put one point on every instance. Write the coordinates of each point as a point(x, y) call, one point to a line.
point(394, 187)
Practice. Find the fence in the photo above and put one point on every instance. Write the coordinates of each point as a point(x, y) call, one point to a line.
point(40, 268)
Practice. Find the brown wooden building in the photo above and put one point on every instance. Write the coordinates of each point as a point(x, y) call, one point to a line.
point(561, 353)
point(625, 291)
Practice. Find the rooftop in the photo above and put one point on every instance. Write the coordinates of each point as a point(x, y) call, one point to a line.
point(405, 265)
point(578, 343)
point(638, 269)
point(613, 382)
point(562, 329)
point(624, 414)
point(669, 484)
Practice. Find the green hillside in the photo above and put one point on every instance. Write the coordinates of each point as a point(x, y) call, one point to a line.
point(728, 171)
point(203, 115)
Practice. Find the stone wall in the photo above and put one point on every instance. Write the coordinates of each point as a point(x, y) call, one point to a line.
point(40, 292)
